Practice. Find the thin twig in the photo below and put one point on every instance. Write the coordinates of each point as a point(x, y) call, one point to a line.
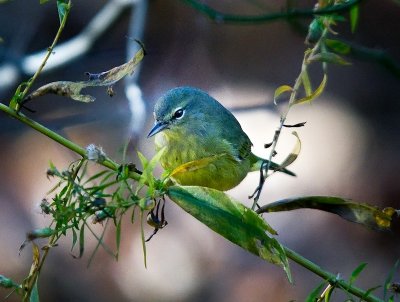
point(49, 51)
point(293, 96)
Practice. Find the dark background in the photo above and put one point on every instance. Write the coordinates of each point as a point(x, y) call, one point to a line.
point(350, 148)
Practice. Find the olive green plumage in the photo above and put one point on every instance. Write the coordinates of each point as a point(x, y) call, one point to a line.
point(203, 136)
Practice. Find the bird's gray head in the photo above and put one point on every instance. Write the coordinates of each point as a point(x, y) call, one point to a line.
point(183, 108)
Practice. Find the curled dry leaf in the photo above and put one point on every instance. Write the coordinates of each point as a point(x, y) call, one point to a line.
point(73, 89)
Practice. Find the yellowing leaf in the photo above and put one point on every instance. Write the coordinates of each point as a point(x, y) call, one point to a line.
point(315, 94)
point(362, 213)
point(280, 90)
point(30, 282)
point(293, 155)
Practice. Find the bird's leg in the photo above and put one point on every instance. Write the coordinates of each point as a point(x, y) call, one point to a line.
point(257, 192)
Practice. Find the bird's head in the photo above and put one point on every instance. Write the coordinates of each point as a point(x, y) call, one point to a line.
point(181, 110)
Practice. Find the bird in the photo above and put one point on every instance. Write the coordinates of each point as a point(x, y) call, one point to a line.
point(203, 143)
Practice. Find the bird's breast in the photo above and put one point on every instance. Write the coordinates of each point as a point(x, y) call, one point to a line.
point(179, 150)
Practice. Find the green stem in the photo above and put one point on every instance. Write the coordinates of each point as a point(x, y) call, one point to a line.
point(49, 52)
point(331, 278)
point(108, 163)
point(220, 17)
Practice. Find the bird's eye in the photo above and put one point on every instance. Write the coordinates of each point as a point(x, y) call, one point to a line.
point(179, 113)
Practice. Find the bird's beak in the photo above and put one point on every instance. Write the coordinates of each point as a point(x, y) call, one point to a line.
point(158, 127)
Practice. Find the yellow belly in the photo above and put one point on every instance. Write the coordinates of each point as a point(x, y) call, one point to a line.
point(216, 169)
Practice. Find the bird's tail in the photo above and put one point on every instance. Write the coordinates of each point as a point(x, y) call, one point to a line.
point(256, 163)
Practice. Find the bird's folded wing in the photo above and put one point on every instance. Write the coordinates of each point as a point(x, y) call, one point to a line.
point(197, 164)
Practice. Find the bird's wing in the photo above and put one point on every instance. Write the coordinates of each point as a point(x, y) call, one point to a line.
point(244, 147)
point(234, 135)
point(196, 164)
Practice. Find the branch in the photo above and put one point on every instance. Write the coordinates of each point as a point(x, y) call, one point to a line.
point(375, 55)
point(332, 279)
point(221, 17)
point(107, 162)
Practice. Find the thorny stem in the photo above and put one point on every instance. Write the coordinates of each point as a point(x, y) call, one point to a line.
point(49, 51)
point(293, 97)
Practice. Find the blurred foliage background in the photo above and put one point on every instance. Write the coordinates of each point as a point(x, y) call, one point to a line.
point(350, 147)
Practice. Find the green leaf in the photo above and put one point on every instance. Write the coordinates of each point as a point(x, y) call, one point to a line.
point(7, 282)
point(354, 14)
point(305, 79)
point(315, 30)
point(314, 295)
point(313, 95)
point(232, 220)
point(368, 215)
point(63, 191)
point(81, 240)
point(34, 293)
point(148, 167)
point(143, 238)
point(100, 242)
point(280, 90)
point(143, 178)
point(63, 8)
point(338, 46)
point(74, 238)
point(356, 272)
point(389, 278)
point(328, 57)
point(118, 236)
point(40, 233)
point(369, 291)
point(16, 98)
point(97, 175)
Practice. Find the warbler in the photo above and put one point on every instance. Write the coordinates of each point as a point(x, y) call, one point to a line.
point(204, 143)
